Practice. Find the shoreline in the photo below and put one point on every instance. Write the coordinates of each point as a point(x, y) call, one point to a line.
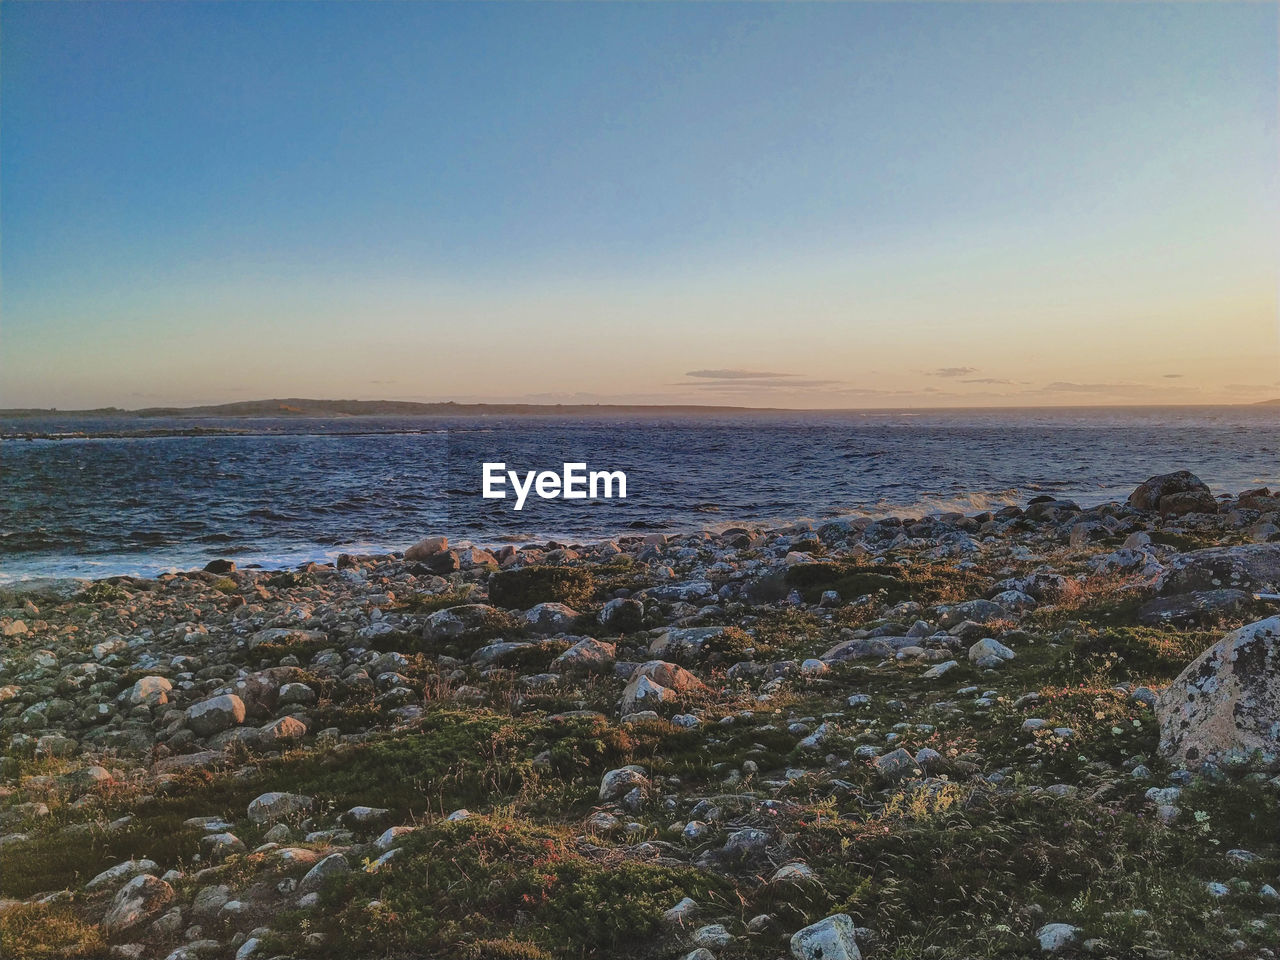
point(922, 508)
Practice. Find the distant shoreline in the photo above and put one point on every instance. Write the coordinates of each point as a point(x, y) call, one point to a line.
point(301, 409)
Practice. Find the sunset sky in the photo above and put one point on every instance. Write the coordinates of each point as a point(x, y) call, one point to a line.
point(857, 205)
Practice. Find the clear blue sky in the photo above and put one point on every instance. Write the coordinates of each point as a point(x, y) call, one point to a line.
point(826, 205)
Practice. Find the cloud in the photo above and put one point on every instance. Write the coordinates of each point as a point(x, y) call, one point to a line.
point(987, 380)
point(1173, 376)
point(1067, 386)
point(792, 383)
point(953, 371)
point(736, 374)
point(1116, 389)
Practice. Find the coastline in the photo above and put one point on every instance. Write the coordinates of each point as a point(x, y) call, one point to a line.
point(757, 715)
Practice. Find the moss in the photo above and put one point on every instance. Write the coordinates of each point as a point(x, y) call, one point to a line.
point(103, 592)
point(484, 881)
point(34, 931)
point(1136, 654)
point(431, 602)
point(989, 858)
point(56, 859)
point(287, 579)
point(529, 586)
point(928, 583)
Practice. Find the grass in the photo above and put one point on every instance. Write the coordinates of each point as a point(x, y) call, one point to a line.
point(501, 887)
point(37, 932)
point(890, 582)
point(529, 586)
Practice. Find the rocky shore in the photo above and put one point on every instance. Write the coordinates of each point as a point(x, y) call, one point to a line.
point(1042, 731)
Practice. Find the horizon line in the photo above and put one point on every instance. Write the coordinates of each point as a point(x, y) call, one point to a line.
point(243, 408)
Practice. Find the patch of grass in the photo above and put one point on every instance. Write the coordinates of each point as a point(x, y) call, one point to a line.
point(55, 859)
point(34, 931)
point(999, 866)
point(472, 885)
point(431, 602)
point(103, 592)
point(287, 579)
point(1137, 654)
point(529, 586)
point(892, 582)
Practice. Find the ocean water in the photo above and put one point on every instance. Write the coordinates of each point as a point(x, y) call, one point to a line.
point(285, 491)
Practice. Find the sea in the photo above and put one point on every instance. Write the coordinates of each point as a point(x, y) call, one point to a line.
point(102, 497)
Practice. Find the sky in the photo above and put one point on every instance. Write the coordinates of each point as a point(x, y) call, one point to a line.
point(798, 205)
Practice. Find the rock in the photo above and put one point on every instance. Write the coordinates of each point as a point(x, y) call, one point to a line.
point(121, 871)
point(829, 939)
point(655, 681)
point(936, 671)
point(588, 655)
point(681, 913)
point(1056, 937)
point(643, 692)
point(988, 654)
point(388, 838)
point(219, 846)
point(151, 690)
point(550, 617)
point(1253, 567)
point(365, 817)
point(1151, 491)
point(215, 715)
point(284, 730)
point(1202, 608)
point(277, 806)
point(1226, 703)
point(427, 548)
point(897, 765)
point(220, 566)
point(1192, 501)
point(979, 611)
point(139, 900)
point(291, 693)
point(617, 782)
point(210, 899)
point(455, 621)
point(713, 936)
point(623, 614)
point(331, 866)
point(686, 642)
point(794, 873)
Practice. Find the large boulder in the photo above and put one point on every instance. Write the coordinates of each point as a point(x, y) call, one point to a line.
point(427, 548)
point(1182, 487)
point(137, 901)
point(1253, 567)
point(151, 690)
point(588, 655)
point(550, 617)
point(215, 715)
point(1226, 704)
point(828, 939)
point(657, 681)
point(465, 618)
point(270, 807)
